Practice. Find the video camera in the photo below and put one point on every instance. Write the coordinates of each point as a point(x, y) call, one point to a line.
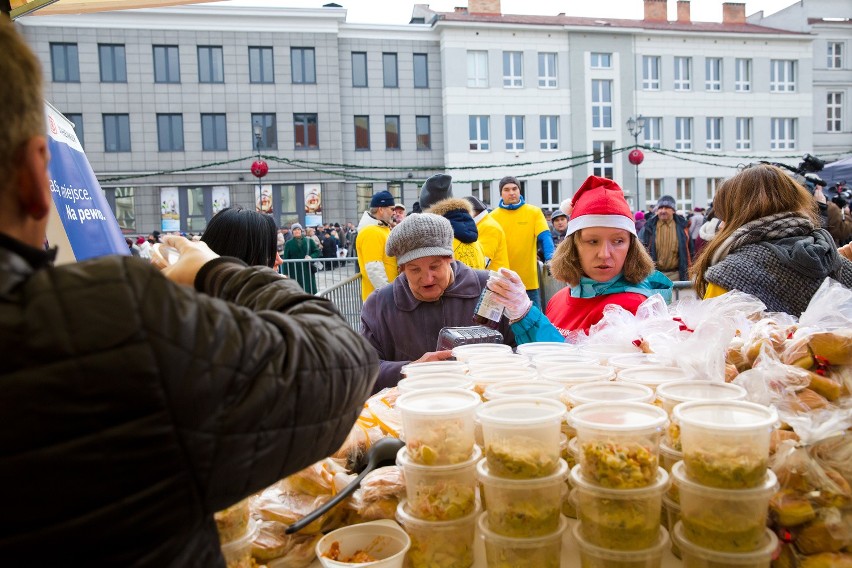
point(806, 172)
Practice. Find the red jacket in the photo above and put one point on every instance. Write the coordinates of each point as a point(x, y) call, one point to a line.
point(574, 314)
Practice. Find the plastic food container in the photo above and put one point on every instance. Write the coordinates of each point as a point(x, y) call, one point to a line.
point(574, 375)
point(438, 425)
point(592, 556)
point(619, 442)
point(521, 436)
point(652, 377)
point(548, 359)
point(673, 393)
point(523, 508)
point(464, 352)
point(531, 349)
point(619, 519)
point(237, 553)
point(568, 450)
point(725, 444)
point(434, 381)
point(633, 360)
point(432, 367)
point(695, 556)
point(537, 388)
point(383, 540)
point(728, 520)
point(608, 391)
point(671, 516)
point(448, 544)
point(440, 492)
point(538, 552)
point(604, 352)
point(668, 458)
point(487, 376)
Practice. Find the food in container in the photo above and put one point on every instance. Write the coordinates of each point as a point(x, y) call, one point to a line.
point(440, 493)
point(485, 377)
point(671, 516)
point(569, 453)
point(608, 391)
point(673, 393)
point(441, 544)
point(592, 556)
point(669, 457)
point(232, 523)
point(694, 556)
point(576, 374)
point(438, 425)
point(382, 544)
point(537, 552)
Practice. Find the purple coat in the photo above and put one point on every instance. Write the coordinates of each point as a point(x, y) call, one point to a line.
point(402, 328)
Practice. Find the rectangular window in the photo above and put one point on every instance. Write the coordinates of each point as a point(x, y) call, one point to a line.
point(713, 74)
point(683, 195)
point(651, 72)
point(713, 185)
point(742, 79)
point(653, 132)
point(166, 64)
point(743, 133)
point(478, 133)
point(601, 60)
point(362, 132)
point(782, 76)
point(116, 133)
point(477, 69)
point(514, 133)
point(482, 191)
point(682, 73)
point(211, 67)
point(214, 132)
point(261, 68)
point(513, 69)
point(423, 124)
point(835, 55)
point(122, 203)
point(389, 70)
point(65, 62)
point(602, 159)
point(834, 112)
point(653, 190)
point(303, 63)
point(421, 71)
point(714, 133)
point(359, 69)
point(391, 133)
point(113, 63)
point(547, 70)
point(549, 132)
point(601, 103)
point(77, 120)
point(363, 195)
point(268, 131)
point(170, 132)
point(550, 196)
point(783, 134)
point(683, 133)
point(306, 131)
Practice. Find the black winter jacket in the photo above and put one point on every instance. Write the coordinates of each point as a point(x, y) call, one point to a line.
point(134, 408)
point(648, 236)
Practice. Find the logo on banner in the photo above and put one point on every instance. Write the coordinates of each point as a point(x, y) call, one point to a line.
point(53, 127)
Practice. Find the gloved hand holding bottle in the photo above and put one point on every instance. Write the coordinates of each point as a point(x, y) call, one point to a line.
point(509, 291)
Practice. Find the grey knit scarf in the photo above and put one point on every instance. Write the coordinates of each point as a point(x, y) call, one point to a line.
point(769, 228)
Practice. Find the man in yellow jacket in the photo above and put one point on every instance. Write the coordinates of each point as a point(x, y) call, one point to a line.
point(377, 268)
point(492, 238)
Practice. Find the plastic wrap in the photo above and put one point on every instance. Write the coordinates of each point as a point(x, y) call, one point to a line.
point(379, 494)
point(360, 439)
point(285, 507)
point(829, 308)
point(278, 550)
point(380, 411)
point(317, 479)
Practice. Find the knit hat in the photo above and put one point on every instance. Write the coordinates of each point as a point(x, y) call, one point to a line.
point(639, 215)
point(478, 206)
point(295, 226)
point(424, 234)
point(399, 206)
point(435, 188)
point(557, 214)
point(382, 199)
point(509, 179)
point(666, 201)
point(600, 203)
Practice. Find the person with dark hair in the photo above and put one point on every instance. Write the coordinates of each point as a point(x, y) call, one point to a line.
point(246, 234)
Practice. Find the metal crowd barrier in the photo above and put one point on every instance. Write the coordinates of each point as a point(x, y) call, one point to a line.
point(346, 297)
point(327, 272)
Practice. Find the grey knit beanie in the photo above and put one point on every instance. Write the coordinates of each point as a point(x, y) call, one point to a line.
point(419, 235)
point(666, 201)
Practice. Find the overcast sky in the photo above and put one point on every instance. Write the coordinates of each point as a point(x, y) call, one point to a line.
point(399, 11)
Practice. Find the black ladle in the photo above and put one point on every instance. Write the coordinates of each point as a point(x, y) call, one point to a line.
point(383, 452)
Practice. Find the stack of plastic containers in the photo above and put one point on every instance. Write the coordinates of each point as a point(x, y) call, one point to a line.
point(618, 484)
point(439, 464)
point(724, 483)
point(522, 479)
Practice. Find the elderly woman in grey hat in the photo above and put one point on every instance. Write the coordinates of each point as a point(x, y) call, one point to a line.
point(301, 247)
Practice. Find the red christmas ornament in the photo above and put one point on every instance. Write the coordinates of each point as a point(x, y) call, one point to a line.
point(259, 168)
point(636, 157)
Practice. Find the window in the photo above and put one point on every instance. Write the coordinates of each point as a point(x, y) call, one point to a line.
point(653, 132)
point(359, 69)
point(195, 218)
point(513, 69)
point(833, 112)
point(651, 72)
point(477, 69)
point(389, 71)
point(601, 60)
point(547, 70)
point(549, 132)
point(423, 124)
point(482, 191)
point(306, 131)
point(113, 63)
point(683, 133)
point(782, 76)
point(391, 133)
point(783, 135)
point(214, 132)
point(714, 133)
point(682, 73)
point(478, 133)
point(268, 130)
point(421, 71)
point(65, 62)
point(653, 190)
point(77, 120)
point(601, 103)
point(363, 195)
point(122, 203)
point(550, 193)
point(362, 132)
point(602, 159)
point(713, 74)
point(211, 68)
point(116, 133)
point(713, 185)
point(514, 133)
point(261, 68)
point(835, 55)
point(166, 64)
point(743, 76)
point(743, 133)
point(302, 60)
point(683, 195)
point(170, 132)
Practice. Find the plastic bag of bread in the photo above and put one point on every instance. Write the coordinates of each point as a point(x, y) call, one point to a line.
point(285, 507)
point(379, 494)
point(380, 410)
point(829, 317)
point(772, 332)
point(317, 479)
point(232, 523)
point(619, 328)
point(271, 546)
point(360, 439)
point(770, 382)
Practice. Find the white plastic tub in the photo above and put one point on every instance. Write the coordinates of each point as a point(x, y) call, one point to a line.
point(383, 540)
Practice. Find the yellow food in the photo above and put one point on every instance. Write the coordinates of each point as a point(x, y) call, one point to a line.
point(724, 527)
point(440, 550)
point(502, 556)
point(791, 509)
point(442, 501)
point(527, 515)
point(818, 536)
point(232, 523)
point(827, 560)
point(520, 457)
point(442, 443)
point(619, 524)
point(737, 468)
point(617, 465)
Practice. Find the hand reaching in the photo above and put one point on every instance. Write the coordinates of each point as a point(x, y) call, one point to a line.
point(434, 356)
point(193, 255)
point(510, 292)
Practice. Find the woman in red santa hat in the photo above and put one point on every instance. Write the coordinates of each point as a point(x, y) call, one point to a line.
point(601, 260)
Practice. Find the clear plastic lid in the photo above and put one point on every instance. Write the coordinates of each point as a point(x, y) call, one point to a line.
point(548, 358)
point(434, 381)
point(521, 411)
point(462, 352)
point(497, 374)
point(533, 542)
point(438, 402)
point(652, 376)
point(609, 391)
point(631, 360)
point(631, 417)
point(768, 487)
point(676, 392)
point(577, 374)
point(433, 367)
point(545, 347)
point(660, 485)
point(755, 558)
point(622, 557)
point(538, 388)
point(729, 415)
point(405, 462)
point(483, 474)
point(406, 519)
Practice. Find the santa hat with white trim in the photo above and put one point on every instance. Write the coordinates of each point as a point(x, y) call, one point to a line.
point(600, 203)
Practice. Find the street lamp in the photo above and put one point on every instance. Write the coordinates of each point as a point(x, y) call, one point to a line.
point(635, 125)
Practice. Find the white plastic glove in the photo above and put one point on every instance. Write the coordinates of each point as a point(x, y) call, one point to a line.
point(510, 292)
